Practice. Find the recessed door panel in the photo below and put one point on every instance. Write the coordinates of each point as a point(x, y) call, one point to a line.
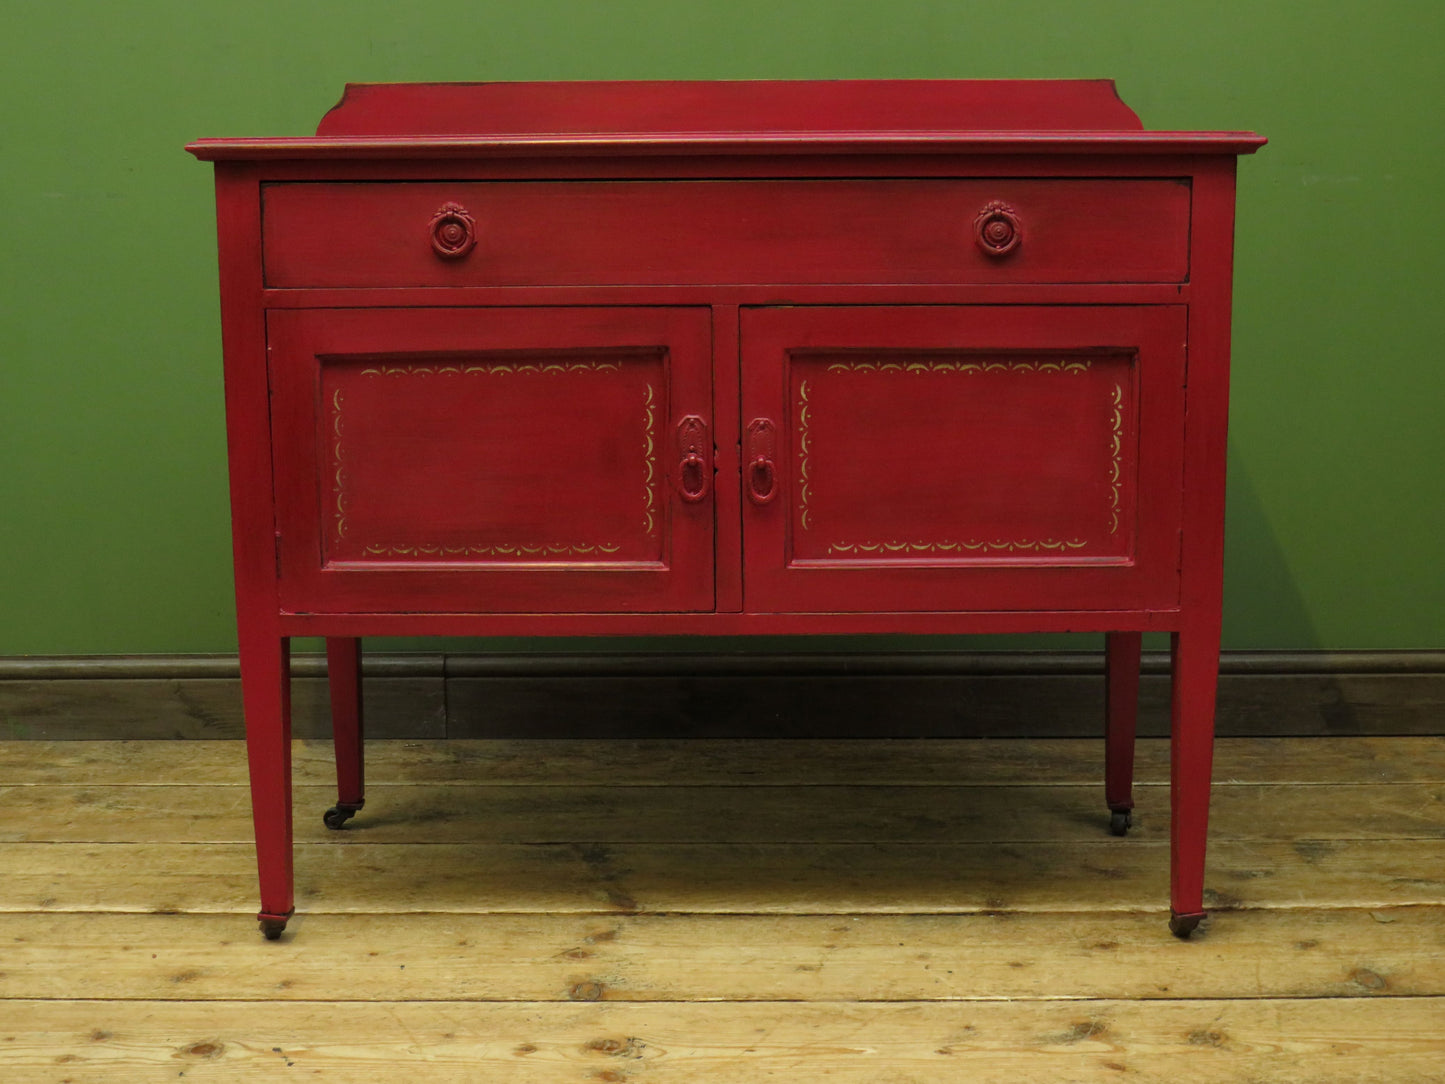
point(964, 458)
point(492, 459)
point(489, 458)
point(964, 455)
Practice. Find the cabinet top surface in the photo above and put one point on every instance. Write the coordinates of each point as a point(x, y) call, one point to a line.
point(430, 120)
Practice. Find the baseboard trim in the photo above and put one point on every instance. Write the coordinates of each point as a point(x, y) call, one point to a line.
point(713, 664)
point(915, 694)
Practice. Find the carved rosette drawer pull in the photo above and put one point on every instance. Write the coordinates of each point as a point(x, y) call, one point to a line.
point(453, 231)
point(997, 229)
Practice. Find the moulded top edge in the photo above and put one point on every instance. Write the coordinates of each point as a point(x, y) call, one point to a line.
point(742, 143)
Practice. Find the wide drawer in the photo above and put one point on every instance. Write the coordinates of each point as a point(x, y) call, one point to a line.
point(499, 233)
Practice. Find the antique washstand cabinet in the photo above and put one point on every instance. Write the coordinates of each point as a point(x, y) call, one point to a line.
point(694, 358)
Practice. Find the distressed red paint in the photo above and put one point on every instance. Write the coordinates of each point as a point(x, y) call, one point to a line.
point(696, 358)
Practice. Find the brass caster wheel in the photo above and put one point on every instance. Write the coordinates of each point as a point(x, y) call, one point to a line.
point(336, 817)
point(1120, 822)
point(273, 926)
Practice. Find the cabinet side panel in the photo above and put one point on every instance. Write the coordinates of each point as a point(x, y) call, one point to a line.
point(248, 426)
point(1206, 427)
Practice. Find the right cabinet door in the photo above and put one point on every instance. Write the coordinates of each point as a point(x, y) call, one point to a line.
point(962, 458)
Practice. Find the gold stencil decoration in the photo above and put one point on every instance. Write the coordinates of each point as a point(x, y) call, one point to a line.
point(339, 484)
point(649, 463)
point(804, 447)
point(494, 368)
point(488, 551)
point(972, 545)
point(1001, 545)
point(1117, 434)
point(959, 367)
point(521, 550)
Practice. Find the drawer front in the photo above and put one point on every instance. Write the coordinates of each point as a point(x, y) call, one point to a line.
point(604, 233)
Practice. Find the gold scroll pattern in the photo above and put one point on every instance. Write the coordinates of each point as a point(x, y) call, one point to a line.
point(1006, 545)
point(974, 545)
point(499, 368)
point(522, 550)
point(649, 457)
point(339, 484)
point(804, 448)
point(489, 551)
point(1116, 435)
point(959, 367)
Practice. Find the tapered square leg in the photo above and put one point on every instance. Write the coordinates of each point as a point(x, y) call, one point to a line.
point(1121, 712)
point(343, 669)
point(1195, 654)
point(266, 695)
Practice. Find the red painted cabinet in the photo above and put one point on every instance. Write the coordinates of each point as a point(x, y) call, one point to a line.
point(616, 358)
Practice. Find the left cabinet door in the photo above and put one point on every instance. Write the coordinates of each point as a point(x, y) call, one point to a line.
point(493, 460)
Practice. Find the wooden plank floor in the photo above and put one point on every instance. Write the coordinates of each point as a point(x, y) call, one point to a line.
point(889, 912)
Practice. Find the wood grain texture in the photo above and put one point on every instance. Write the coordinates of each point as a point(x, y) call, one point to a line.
point(341, 876)
point(869, 945)
point(1307, 762)
point(1348, 952)
point(712, 814)
point(1308, 1041)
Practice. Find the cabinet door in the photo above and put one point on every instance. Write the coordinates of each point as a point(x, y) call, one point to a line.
point(493, 460)
point(962, 458)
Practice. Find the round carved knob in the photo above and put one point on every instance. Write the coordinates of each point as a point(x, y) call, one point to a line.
point(997, 229)
point(453, 231)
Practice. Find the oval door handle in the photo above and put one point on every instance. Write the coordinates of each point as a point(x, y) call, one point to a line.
point(762, 471)
point(693, 469)
point(693, 477)
point(453, 231)
point(762, 480)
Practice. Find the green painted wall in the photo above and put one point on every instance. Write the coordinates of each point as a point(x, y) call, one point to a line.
point(113, 520)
